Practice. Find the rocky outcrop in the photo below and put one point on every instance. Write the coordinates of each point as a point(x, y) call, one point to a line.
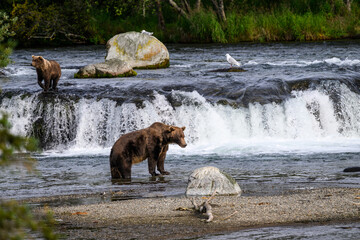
point(109, 68)
point(234, 69)
point(139, 50)
point(352, 169)
point(207, 180)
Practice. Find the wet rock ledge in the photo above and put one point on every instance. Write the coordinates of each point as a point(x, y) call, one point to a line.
point(234, 69)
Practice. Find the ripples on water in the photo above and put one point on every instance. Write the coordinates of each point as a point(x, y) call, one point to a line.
point(290, 121)
point(332, 232)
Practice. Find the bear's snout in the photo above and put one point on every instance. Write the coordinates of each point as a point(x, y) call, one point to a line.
point(183, 143)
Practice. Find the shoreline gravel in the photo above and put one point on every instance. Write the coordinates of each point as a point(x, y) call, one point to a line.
point(174, 217)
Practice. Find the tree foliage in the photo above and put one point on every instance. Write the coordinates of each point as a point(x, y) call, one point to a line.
point(11, 144)
point(16, 220)
point(95, 21)
point(5, 48)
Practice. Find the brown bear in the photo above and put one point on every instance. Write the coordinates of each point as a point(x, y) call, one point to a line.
point(149, 143)
point(47, 70)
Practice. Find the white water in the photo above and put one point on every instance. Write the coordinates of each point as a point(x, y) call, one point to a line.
point(305, 123)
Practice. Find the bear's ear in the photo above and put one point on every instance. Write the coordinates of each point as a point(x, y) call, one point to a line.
point(171, 129)
point(41, 58)
point(183, 128)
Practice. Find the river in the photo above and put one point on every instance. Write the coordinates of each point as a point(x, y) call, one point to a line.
point(290, 121)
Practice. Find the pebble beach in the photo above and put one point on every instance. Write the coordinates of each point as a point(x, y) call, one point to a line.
point(175, 217)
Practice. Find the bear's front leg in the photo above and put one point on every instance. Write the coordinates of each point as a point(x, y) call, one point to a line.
point(40, 82)
point(47, 84)
point(54, 83)
point(161, 160)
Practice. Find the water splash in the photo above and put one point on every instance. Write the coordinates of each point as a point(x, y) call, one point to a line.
point(303, 120)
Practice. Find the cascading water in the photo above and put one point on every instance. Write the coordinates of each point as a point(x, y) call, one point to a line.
point(96, 123)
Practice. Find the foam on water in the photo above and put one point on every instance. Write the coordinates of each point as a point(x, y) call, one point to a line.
point(305, 63)
point(310, 121)
point(20, 70)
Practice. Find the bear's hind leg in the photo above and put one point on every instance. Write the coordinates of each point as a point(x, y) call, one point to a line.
point(115, 173)
point(120, 168)
point(120, 172)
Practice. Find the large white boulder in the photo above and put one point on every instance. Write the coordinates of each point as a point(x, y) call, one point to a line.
point(138, 49)
point(205, 180)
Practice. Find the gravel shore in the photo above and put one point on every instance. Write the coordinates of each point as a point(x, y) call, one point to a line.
point(175, 218)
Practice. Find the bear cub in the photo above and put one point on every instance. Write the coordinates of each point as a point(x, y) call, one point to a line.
point(149, 143)
point(47, 70)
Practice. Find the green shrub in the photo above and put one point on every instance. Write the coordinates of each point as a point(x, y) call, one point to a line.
point(5, 48)
point(203, 26)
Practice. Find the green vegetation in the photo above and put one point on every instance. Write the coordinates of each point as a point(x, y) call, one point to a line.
point(16, 220)
point(5, 48)
point(221, 21)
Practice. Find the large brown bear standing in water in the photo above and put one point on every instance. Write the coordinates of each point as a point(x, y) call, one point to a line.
point(50, 71)
point(150, 143)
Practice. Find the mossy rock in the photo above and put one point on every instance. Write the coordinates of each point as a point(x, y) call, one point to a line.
point(164, 64)
point(113, 68)
point(131, 73)
point(140, 50)
point(300, 85)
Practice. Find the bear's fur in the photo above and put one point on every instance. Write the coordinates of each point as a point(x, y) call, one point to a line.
point(47, 70)
point(149, 143)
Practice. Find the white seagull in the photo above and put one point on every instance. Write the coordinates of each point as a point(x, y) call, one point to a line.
point(231, 60)
point(146, 32)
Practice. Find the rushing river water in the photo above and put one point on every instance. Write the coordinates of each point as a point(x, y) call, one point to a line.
point(291, 121)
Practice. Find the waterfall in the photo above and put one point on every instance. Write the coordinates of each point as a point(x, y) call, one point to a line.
point(97, 123)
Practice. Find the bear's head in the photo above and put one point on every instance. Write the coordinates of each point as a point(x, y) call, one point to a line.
point(39, 62)
point(176, 135)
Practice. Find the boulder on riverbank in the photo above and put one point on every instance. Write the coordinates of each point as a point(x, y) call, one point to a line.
point(108, 69)
point(207, 180)
point(139, 50)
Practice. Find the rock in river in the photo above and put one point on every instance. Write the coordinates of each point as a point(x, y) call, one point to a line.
point(205, 180)
point(138, 49)
point(109, 68)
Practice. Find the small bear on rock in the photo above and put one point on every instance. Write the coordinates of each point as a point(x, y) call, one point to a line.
point(47, 70)
point(149, 143)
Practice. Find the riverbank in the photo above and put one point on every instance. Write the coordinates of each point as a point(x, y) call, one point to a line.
point(174, 218)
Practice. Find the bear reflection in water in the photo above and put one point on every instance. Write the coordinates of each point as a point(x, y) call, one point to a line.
point(149, 143)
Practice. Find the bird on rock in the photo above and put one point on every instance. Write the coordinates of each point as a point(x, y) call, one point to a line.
point(146, 32)
point(231, 60)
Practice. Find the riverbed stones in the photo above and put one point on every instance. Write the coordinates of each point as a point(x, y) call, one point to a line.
point(108, 69)
point(205, 180)
point(138, 50)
